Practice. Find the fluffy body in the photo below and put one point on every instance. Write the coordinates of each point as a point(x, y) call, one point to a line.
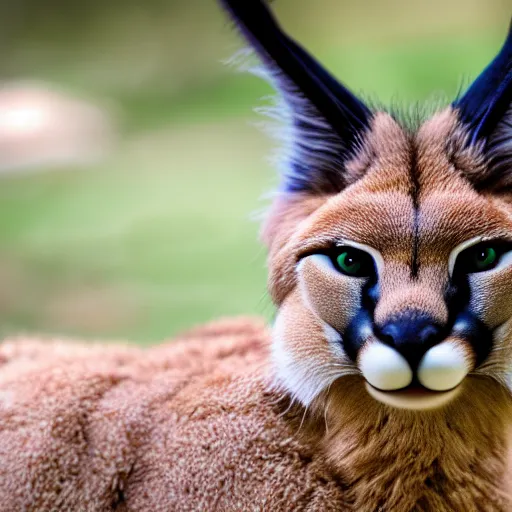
point(195, 425)
point(386, 385)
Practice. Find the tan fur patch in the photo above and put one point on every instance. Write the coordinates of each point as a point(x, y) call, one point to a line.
point(332, 296)
point(398, 461)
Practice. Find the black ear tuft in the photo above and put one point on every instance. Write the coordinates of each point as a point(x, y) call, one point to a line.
point(327, 120)
point(486, 110)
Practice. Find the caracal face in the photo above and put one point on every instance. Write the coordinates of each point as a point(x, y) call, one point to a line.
point(389, 244)
point(404, 277)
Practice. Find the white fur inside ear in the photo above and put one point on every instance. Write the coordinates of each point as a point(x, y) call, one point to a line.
point(443, 367)
point(384, 368)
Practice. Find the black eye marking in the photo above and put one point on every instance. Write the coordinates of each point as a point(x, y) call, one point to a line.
point(357, 332)
point(347, 260)
point(352, 262)
point(462, 321)
point(481, 257)
point(470, 328)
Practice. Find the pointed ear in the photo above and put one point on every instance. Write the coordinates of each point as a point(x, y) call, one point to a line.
point(327, 121)
point(486, 111)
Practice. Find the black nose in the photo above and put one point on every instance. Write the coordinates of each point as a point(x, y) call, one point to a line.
point(412, 334)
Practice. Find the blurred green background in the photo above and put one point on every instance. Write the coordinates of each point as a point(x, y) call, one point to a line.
point(159, 234)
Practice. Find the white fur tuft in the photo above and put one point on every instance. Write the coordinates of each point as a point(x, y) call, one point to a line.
point(384, 368)
point(301, 376)
point(443, 367)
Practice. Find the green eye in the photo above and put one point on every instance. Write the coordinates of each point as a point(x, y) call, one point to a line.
point(480, 258)
point(353, 262)
point(484, 258)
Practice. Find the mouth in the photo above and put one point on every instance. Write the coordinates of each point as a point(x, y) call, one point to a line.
point(414, 397)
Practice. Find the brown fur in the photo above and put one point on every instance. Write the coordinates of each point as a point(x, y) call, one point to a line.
point(193, 426)
point(213, 422)
point(185, 426)
point(455, 458)
point(452, 459)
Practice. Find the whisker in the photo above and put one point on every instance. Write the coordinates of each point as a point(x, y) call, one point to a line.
point(303, 418)
point(325, 416)
point(291, 404)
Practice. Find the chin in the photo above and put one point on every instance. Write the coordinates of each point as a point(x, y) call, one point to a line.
point(414, 398)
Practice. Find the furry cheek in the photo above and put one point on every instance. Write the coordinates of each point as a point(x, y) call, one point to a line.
point(306, 353)
point(490, 295)
point(333, 297)
point(497, 364)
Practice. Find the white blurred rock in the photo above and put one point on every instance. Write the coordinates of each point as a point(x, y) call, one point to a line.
point(43, 128)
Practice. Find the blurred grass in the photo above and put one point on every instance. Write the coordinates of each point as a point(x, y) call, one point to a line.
point(136, 248)
point(159, 237)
